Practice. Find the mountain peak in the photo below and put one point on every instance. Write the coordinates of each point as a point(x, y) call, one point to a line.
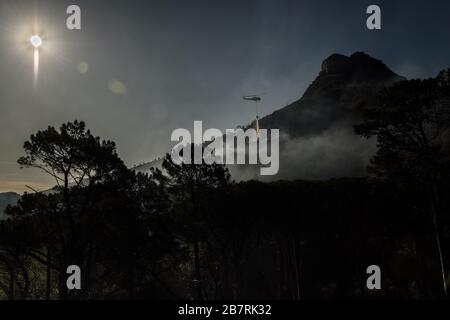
point(357, 67)
point(344, 86)
point(336, 63)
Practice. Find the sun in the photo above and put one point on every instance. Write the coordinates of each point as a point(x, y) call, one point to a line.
point(36, 41)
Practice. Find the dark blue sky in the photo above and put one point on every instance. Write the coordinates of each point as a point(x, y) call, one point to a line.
point(154, 66)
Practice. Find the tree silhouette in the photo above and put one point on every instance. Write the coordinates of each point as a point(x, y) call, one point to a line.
point(409, 123)
point(189, 186)
point(98, 215)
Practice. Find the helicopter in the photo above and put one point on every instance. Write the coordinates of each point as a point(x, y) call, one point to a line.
point(252, 98)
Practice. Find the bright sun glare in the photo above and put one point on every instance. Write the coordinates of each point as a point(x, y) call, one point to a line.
point(36, 41)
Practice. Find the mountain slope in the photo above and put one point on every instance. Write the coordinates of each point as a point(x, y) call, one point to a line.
point(317, 141)
point(343, 87)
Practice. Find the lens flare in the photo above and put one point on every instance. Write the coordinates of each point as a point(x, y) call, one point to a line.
point(36, 66)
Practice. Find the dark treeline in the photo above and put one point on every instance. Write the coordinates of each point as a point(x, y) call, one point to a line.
point(190, 232)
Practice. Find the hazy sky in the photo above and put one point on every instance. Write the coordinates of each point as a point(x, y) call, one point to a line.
point(139, 69)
